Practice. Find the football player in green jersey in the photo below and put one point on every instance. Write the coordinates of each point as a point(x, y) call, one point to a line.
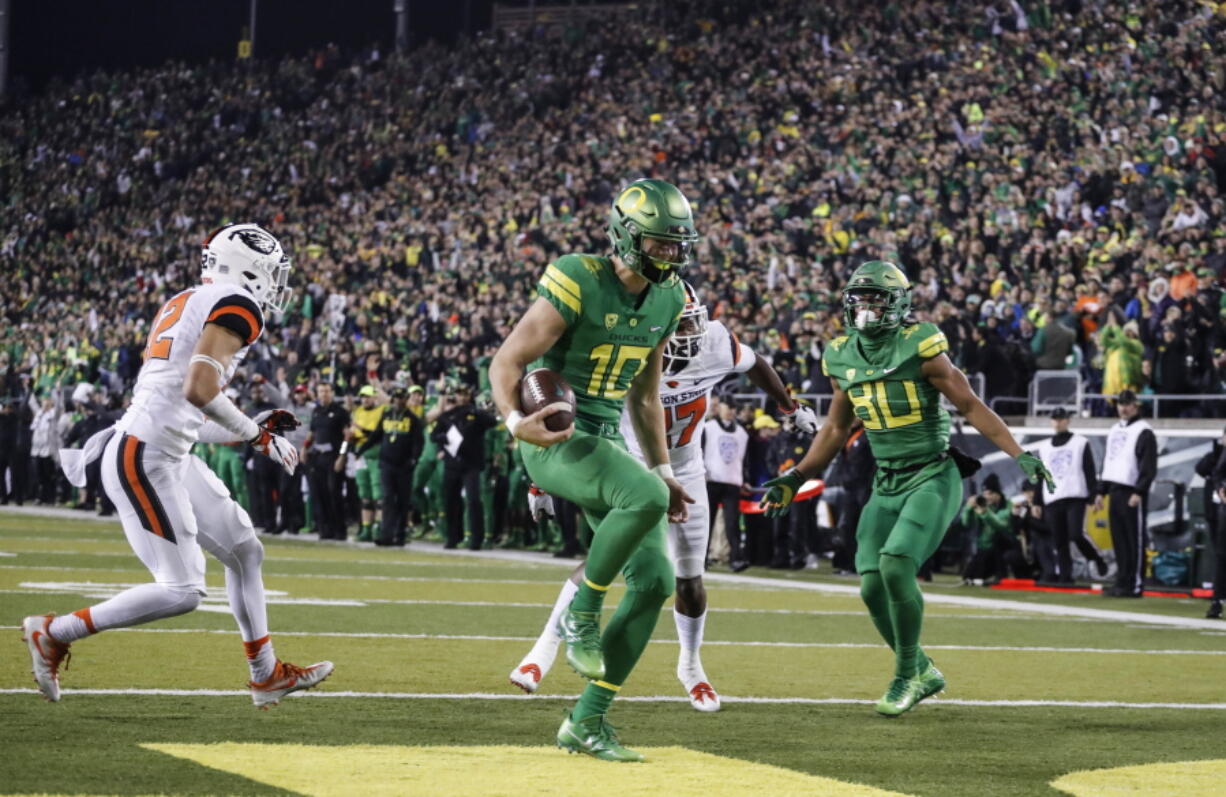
point(891, 373)
point(602, 323)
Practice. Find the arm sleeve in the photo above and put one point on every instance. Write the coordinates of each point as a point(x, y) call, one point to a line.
point(1090, 470)
point(1147, 458)
point(562, 287)
point(238, 314)
point(213, 432)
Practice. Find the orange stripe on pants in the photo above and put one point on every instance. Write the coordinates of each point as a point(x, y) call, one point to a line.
point(132, 477)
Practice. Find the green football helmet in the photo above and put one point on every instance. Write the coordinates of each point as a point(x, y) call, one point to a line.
point(877, 297)
point(652, 209)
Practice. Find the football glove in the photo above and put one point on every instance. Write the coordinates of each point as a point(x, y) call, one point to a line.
point(781, 490)
point(276, 448)
point(277, 421)
point(804, 417)
point(1034, 469)
point(540, 503)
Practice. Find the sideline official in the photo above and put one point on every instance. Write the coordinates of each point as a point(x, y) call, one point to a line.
point(1071, 461)
point(1129, 468)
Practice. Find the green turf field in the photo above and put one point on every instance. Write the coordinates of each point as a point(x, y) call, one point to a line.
point(1129, 695)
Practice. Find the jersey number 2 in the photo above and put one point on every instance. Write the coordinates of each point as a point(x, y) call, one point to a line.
point(691, 413)
point(160, 339)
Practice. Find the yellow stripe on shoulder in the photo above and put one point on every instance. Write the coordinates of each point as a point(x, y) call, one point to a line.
point(561, 294)
point(933, 345)
point(565, 281)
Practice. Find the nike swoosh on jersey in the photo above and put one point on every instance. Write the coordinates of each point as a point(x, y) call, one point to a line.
point(656, 329)
point(889, 370)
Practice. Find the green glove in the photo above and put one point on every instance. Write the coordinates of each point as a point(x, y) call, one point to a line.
point(778, 499)
point(1034, 469)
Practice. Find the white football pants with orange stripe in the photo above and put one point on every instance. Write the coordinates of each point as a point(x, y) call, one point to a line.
point(171, 508)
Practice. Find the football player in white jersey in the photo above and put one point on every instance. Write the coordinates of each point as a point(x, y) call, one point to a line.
point(171, 505)
point(699, 356)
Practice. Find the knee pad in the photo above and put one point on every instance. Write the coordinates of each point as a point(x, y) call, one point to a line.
point(369, 505)
point(249, 553)
point(872, 586)
point(898, 572)
point(188, 599)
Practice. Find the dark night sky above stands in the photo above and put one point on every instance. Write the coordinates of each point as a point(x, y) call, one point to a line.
point(63, 37)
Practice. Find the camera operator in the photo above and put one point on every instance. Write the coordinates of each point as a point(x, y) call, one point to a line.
point(1031, 529)
point(988, 517)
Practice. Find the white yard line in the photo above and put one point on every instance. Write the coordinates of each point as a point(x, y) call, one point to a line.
point(741, 581)
point(710, 642)
point(274, 557)
point(806, 701)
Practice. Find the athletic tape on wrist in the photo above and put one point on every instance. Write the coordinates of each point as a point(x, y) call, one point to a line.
point(663, 471)
point(513, 420)
point(229, 417)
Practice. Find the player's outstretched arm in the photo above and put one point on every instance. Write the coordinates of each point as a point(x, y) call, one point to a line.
point(949, 379)
point(764, 376)
point(824, 448)
point(647, 417)
point(535, 334)
point(202, 388)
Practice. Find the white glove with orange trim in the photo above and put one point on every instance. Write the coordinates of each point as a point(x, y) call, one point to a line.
point(276, 448)
point(804, 417)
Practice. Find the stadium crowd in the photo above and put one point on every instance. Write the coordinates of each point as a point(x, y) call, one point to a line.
point(1050, 174)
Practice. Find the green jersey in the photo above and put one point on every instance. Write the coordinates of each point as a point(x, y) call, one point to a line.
point(610, 333)
point(901, 410)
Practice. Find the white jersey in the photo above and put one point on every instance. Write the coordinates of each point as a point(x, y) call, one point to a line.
point(159, 415)
point(686, 394)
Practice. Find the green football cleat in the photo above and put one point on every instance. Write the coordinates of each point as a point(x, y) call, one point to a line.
point(581, 632)
point(901, 697)
point(931, 681)
point(594, 736)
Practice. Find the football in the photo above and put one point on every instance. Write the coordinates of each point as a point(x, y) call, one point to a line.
point(543, 387)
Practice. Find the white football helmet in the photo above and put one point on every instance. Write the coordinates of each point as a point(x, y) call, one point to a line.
point(249, 256)
point(691, 333)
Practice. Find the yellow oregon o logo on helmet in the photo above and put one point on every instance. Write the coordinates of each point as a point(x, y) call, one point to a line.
point(623, 203)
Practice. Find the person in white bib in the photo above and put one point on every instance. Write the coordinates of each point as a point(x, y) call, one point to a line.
point(1071, 461)
point(1129, 467)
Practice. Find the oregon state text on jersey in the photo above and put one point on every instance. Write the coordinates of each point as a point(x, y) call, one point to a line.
point(159, 415)
point(686, 395)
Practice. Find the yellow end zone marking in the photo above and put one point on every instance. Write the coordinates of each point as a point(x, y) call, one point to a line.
point(374, 770)
point(1177, 779)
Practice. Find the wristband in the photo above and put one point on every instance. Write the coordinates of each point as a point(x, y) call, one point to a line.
point(513, 420)
point(663, 471)
point(229, 417)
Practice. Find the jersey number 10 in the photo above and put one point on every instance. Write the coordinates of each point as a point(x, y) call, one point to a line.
point(605, 379)
point(873, 404)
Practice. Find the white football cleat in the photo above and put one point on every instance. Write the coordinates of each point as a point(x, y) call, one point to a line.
point(703, 697)
point(46, 654)
point(534, 667)
point(287, 678)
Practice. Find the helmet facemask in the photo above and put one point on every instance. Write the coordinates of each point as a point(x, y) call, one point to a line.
point(871, 309)
point(250, 257)
point(688, 339)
